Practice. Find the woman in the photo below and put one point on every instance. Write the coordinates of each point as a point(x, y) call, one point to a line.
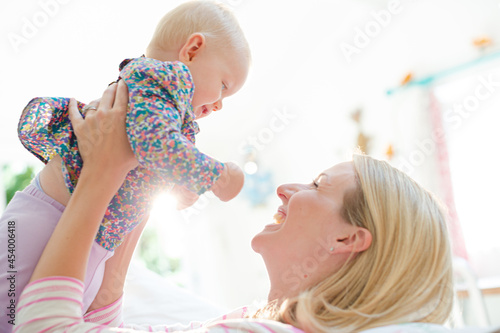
point(363, 246)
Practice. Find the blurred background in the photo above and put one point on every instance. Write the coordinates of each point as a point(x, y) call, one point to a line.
point(413, 82)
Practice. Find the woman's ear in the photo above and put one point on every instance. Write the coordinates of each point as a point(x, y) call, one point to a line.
point(194, 44)
point(358, 240)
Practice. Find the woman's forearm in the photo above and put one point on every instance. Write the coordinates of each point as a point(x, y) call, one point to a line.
point(116, 270)
point(107, 161)
point(78, 226)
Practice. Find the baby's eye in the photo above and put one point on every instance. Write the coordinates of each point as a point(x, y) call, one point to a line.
point(315, 183)
point(223, 86)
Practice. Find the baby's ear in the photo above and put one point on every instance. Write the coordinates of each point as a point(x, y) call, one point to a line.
point(194, 44)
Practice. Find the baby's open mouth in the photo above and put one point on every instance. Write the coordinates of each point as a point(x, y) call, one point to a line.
point(202, 111)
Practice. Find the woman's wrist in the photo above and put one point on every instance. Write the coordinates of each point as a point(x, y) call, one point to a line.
point(105, 179)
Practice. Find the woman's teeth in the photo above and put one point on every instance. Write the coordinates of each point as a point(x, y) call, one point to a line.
point(279, 218)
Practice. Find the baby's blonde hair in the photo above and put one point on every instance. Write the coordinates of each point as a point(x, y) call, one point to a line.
point(216, 22)
point(404, 276)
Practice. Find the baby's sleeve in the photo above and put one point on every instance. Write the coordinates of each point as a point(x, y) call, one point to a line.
point(45, 129)
point(160, 102)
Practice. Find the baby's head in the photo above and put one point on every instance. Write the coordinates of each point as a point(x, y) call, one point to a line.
point(207, 38)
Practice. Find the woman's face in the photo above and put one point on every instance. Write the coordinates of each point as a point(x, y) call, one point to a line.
point(310, 242)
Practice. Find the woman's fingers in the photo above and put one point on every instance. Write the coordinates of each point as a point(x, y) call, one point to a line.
point(108, 98)
point(121, 100)
point(95, 103)
point(74, 114)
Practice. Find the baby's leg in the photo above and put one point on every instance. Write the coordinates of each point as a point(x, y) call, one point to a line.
point(52, 181)
point(128, 207)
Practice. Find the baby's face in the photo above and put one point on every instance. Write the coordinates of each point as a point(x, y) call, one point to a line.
point(216, 74)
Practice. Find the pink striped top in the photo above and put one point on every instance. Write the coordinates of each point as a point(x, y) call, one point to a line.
point(54, 304)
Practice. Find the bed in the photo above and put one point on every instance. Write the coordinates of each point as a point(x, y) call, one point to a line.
point(152, 299)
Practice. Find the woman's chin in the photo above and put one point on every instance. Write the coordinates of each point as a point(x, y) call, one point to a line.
point(260, 239)
point(255, 243)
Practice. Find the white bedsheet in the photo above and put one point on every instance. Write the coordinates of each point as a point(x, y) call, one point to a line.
point(151, 299)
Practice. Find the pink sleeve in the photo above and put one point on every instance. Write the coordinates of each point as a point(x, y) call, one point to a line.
point(49, 304)
point(110, 315)
point(54, 304)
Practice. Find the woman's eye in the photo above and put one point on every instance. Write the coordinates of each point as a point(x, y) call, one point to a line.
point(318, 180)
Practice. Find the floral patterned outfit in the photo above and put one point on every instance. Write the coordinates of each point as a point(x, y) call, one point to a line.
point(161, 130)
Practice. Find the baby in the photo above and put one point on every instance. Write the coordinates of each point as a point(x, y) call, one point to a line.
point(197, 57)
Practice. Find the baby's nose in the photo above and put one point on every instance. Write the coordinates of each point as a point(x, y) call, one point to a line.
point(217, 105)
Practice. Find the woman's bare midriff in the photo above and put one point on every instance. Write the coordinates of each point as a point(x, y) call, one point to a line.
point(52, 181)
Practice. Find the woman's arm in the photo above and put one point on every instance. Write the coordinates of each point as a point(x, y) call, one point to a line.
point(104, 170)
point(52, 301)
point(116, 270)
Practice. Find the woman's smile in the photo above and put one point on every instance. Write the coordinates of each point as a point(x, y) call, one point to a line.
point(280, 215)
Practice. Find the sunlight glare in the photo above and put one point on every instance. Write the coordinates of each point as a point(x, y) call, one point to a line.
point(164, 207)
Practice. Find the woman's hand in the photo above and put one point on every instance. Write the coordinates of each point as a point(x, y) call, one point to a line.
point(104, 127)
point(107, 158)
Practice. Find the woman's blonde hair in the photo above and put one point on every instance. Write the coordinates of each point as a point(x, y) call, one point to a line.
point(404, 276)
point(216, 22)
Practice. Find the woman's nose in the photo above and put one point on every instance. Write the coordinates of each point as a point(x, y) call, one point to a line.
point(286, 191)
